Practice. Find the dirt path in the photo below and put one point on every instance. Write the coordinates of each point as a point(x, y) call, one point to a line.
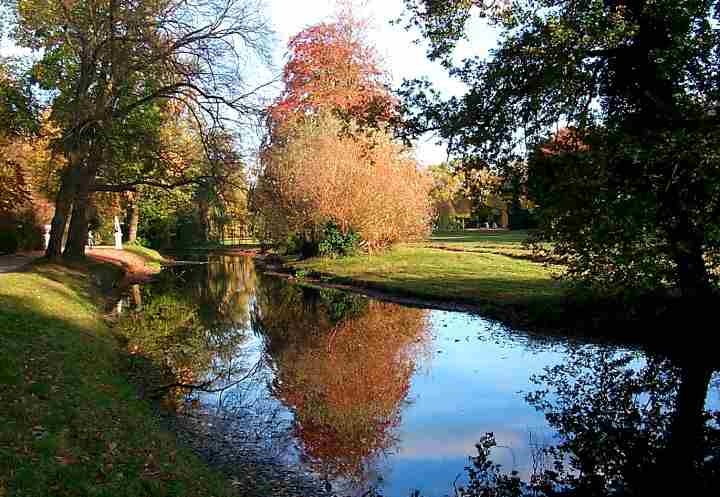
point(137, 268)
point(14, 263)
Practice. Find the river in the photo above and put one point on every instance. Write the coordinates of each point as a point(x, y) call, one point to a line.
point(362, 396)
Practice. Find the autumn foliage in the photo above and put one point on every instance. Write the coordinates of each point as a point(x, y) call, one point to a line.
point(331, 159)
point(331, 67)
point(28, 169)
point(365, 182)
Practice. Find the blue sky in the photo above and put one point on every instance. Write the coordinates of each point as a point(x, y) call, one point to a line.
point(402, 58)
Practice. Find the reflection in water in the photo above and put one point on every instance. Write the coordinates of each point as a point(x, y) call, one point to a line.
point(192, 325)
point(343, 386)
point(627, 425)
point(343, 364)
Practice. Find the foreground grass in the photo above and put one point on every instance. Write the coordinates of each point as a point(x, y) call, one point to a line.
point(502, 286)
point(70, 423)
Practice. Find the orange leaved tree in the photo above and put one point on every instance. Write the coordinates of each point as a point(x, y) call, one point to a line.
point(332, 67)
point(361, 181)
point(330, 163)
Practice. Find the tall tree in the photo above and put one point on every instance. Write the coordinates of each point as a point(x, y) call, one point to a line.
point(329, 159)
point(637, 205)
point(107, 59)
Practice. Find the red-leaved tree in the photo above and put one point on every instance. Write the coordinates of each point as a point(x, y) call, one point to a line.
point(330, 157)
point(333, 67)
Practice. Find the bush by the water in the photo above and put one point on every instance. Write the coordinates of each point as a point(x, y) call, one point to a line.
point(327, 171)
point(334, 242)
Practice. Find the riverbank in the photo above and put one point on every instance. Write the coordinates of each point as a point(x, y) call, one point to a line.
point(138, 264)
point(494, 275)
point(71, 423)
point(489, 273)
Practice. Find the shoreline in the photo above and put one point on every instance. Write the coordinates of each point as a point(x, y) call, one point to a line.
point(73, 421)
point(209, 436)
point(52, 314)
point(649, 323)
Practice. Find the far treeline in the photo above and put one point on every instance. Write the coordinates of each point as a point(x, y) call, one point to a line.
point(594, 123)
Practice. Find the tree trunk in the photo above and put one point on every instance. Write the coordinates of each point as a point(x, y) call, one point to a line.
point(78, 235)
point(677, 465)
point(204, 215)
point(693, 276)
point(63, 206)
point(133, 219)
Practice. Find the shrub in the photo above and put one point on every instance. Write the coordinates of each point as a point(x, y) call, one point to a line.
point(8, 241)
point(19, 231)
point(324, 171)
point(336, 243)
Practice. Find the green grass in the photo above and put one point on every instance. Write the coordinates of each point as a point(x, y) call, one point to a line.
point(70, 422)
point(479, 239)
point(152, 257)
point(482, 270)
point(509, 243)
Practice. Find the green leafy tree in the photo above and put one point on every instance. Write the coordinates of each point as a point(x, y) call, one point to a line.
point(632, 201)
point(105, 60)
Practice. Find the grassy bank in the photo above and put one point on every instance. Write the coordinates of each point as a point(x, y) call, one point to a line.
point(138, 263)
point(493, 272)
point(70, 423)
point(151, 257)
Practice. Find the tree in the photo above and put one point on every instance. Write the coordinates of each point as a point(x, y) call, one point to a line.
point(333, 67)
point(27, 161)
point(470, 192)
point(638, 205)
point(108, 60)
point(329, 160)
point(19, 117)
point(18, 107)
point(325, 171)
point(166, 149)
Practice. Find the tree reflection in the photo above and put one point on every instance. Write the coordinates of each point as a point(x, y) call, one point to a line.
point(225, 290)
point(191, 324)
point(627, 425)
point(343, 364)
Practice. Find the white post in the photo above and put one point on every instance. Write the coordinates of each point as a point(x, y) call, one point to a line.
point(46, 236)
point(118, 234)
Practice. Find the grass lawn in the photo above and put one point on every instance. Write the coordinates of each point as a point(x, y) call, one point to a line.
point(151, 257)
point(482, 269)
point(508, 243)
point(478, 239)
point(70, 423)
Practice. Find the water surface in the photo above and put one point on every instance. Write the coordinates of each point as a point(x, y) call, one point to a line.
point(367, 395)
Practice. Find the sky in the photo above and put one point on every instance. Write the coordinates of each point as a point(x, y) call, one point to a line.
point(401, 56)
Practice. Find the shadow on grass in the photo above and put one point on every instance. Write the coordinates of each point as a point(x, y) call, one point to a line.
point(71, 424)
